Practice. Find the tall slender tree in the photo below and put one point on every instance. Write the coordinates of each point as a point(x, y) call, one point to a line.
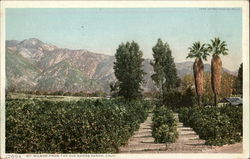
point(128, 70)
point(239, 80)
point(165, 76)
point(199, 52)
point(217, 48)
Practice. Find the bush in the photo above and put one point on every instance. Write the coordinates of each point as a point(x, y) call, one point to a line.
point(235, 115)
point(178, 100)
point(188, 98)
point(85, 126)
point(184, 115)
point(164, 128)
point(218, 126)
point(67, 94)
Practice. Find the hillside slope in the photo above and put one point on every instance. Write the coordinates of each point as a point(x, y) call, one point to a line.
point(34, 65)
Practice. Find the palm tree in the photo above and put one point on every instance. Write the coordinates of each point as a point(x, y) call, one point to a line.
point(216, 48)
point(199, 52)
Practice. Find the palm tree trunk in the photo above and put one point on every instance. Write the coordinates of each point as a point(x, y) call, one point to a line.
point(198, 69)
point(216, 66)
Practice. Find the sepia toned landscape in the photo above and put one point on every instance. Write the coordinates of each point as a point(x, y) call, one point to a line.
point(122, 80)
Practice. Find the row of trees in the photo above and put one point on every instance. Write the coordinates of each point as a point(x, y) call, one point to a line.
point(239, 81)
point(98, 93)
point(200, 52)
point(129, 73)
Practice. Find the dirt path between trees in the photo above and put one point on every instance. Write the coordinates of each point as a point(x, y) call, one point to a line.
point(188, 142)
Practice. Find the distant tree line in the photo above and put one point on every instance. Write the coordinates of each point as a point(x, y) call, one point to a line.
point(62, 93)
point(170, 88)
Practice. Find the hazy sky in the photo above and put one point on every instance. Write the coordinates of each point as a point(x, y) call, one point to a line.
point(102, 30)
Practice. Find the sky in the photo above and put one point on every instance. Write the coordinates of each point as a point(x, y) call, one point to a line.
point(101, 30)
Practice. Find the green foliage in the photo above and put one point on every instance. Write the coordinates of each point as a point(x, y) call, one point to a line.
point(184, 115)
point(239, 80)
point(187, 81)
point(235, 115)
point(128, 70)
point(176, 99)
point(217, 47)
point(198, 50)
point(164, 128)
point(85, 126)
point(60, 93)
point(165, 76)
point(151, 95)
point(218, 126)
point(173, 99)
point(67, 94)
point(114, 88)
point(188, 98)
point(227, 88)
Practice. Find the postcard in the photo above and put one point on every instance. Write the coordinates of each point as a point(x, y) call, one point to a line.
point(124, 79)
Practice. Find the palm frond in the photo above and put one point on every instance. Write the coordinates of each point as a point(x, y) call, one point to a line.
point(217, 47)
point(198, 50)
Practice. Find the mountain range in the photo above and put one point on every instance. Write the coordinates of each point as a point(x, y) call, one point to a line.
point(32, 65)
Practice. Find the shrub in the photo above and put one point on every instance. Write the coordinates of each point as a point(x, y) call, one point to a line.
point(184, 115)
point(67, 94)
point(177, 99)
point(85, 126)
point(188, 98)
point(164, 128)
point(235, 115)
point(173, 99)
point(218, 126)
